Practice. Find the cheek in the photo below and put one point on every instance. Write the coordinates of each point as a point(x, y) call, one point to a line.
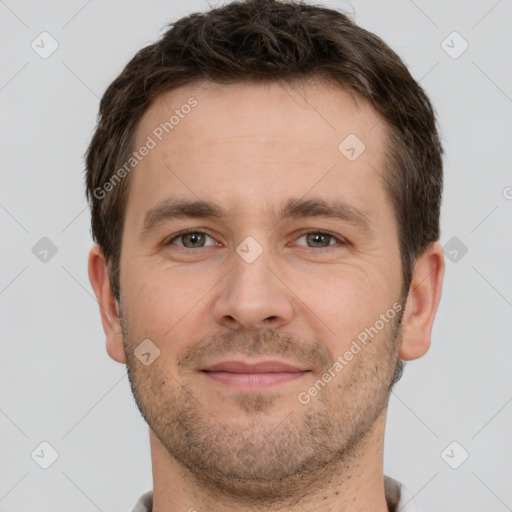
point(161, 303)
point(343, 300)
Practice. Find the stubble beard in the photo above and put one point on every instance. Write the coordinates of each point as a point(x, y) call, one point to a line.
point(271, 456)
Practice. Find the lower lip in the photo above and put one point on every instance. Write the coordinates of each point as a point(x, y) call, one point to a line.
point(254, 380)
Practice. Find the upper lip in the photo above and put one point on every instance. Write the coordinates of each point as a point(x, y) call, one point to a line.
point(259, 367)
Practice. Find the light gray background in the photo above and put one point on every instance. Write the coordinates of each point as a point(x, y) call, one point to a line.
point(57, 383)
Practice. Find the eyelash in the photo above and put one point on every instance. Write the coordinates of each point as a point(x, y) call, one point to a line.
point(338, 239)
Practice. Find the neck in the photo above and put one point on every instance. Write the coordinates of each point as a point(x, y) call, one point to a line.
point(351, 484)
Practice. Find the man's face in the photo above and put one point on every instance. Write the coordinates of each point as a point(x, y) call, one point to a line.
point(272, 280)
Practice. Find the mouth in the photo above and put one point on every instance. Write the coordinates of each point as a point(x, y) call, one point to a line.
point(242, 375)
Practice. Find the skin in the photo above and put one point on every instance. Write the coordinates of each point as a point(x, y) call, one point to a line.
point(303, 300)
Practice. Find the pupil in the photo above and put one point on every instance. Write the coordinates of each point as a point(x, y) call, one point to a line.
point(318, 238)
point(194, 238)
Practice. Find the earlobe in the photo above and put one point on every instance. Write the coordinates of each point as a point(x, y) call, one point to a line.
point(422, 302)
point(109, 307)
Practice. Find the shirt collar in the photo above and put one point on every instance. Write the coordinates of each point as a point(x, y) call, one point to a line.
point(398, 498)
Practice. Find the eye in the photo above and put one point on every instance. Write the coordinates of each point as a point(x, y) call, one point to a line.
point(320, 239)
point(195, 239)
point(190, 239)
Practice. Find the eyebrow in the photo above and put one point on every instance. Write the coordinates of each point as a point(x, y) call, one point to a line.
point(171, 209)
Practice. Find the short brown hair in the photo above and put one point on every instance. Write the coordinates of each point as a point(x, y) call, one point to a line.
point(263, 41)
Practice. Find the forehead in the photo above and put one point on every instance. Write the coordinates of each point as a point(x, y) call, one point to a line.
point(321, 113)
point(239, 141)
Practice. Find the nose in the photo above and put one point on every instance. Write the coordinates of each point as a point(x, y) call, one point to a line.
point(254, 296)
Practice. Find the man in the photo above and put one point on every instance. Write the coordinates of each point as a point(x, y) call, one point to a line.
point(265, 184)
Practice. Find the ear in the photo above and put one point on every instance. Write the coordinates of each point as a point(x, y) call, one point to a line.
point(109, 308)
point(422, 302)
